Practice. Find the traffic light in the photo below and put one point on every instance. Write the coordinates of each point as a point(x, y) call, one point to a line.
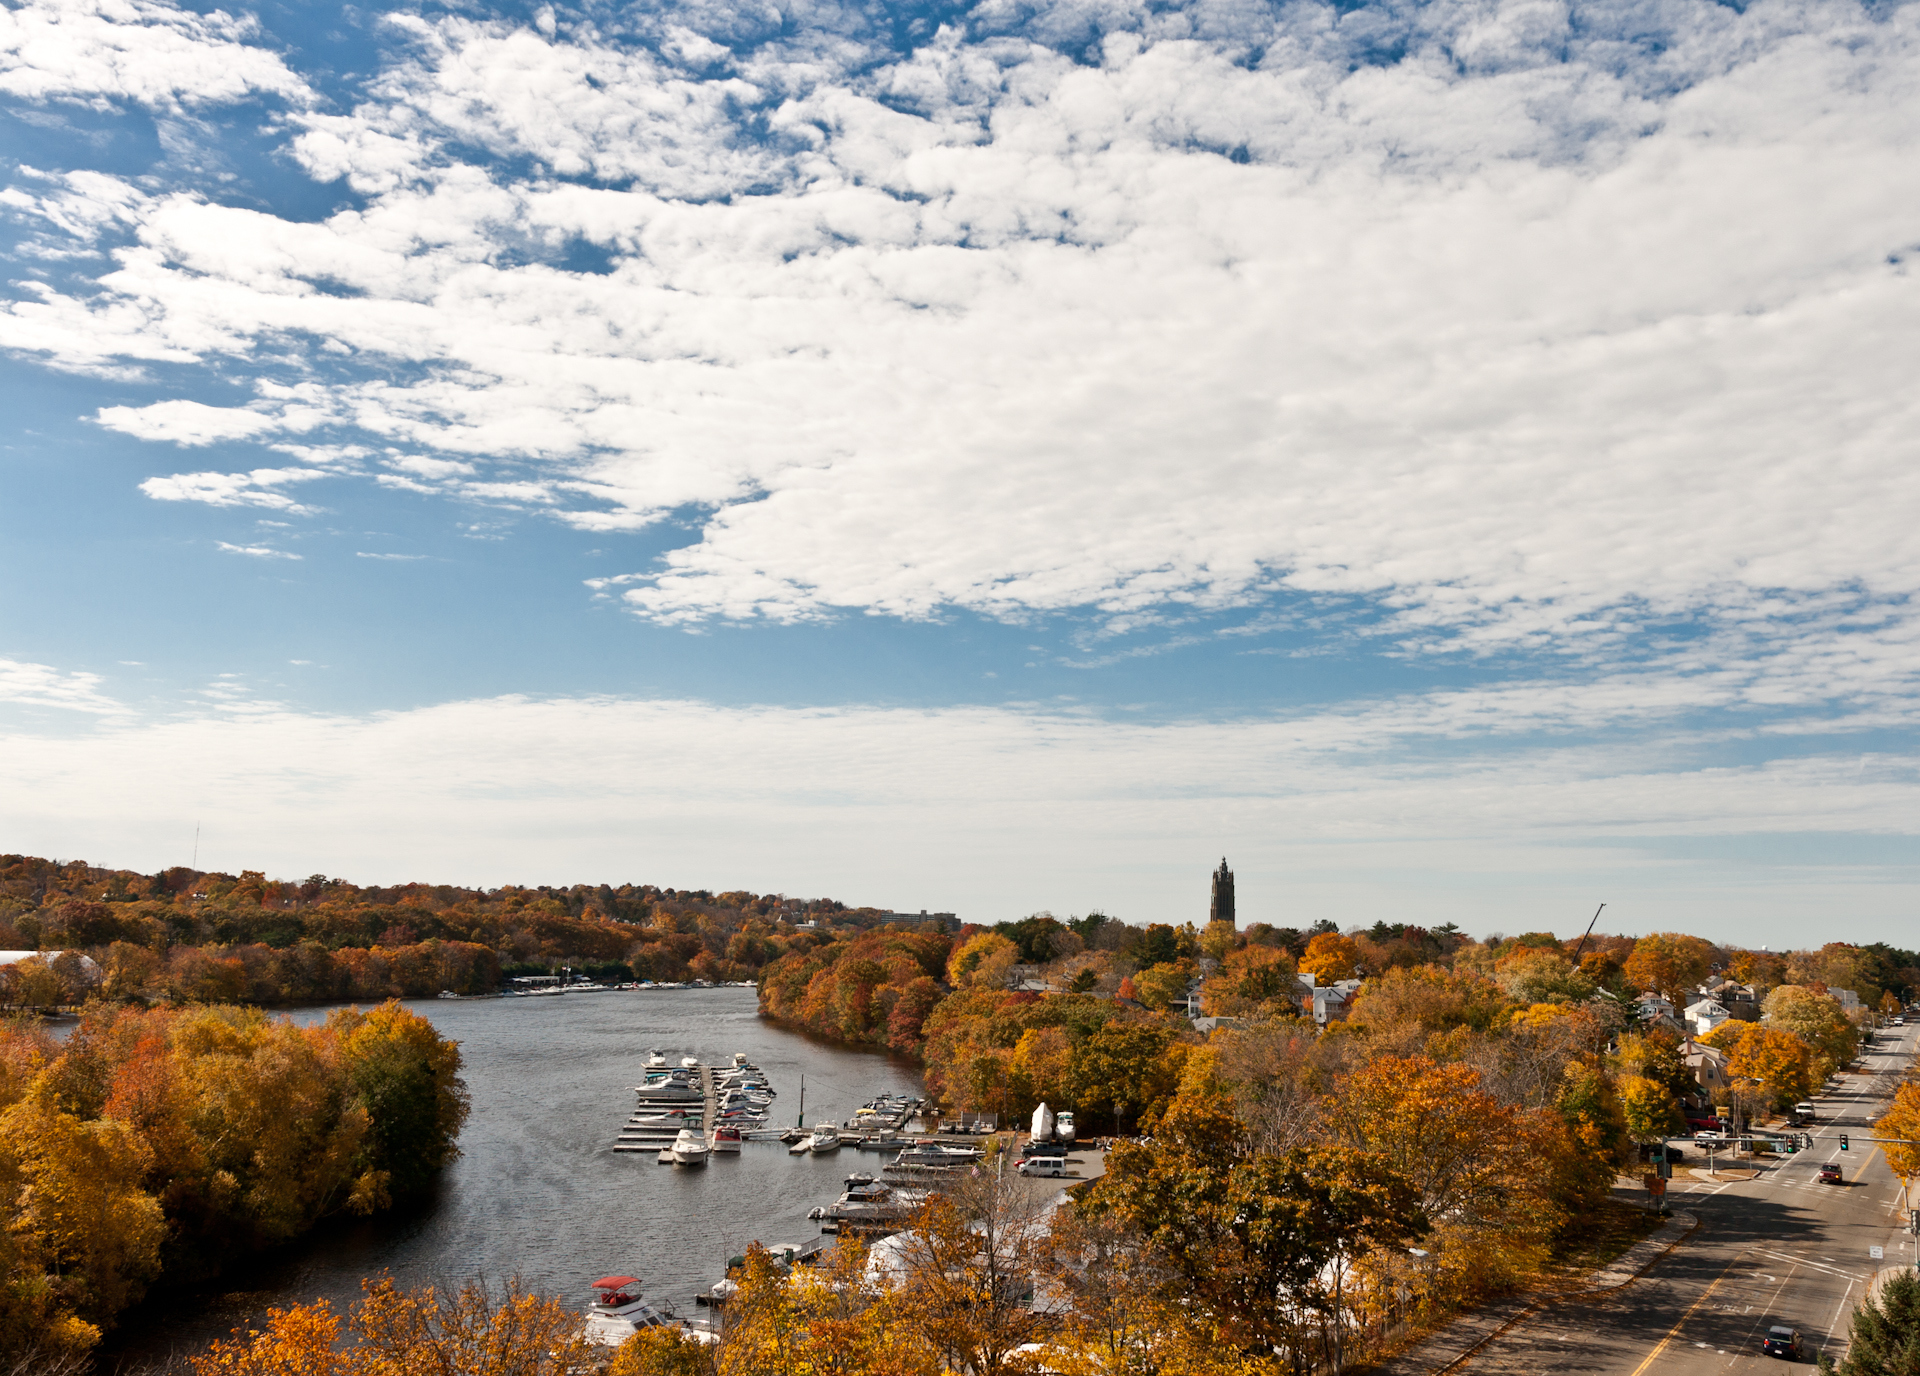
point(1793, 1145)
point(1843, 1141)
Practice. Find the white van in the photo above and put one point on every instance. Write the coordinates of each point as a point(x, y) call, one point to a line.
point(1044, 1165)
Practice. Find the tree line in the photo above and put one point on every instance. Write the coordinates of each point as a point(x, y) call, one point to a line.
point(185, 935)
point(164, 1143)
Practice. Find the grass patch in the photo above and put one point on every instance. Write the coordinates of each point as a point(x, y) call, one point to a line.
point(1604, 1235)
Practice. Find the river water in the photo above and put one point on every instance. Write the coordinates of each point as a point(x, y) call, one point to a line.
point(539, 1190)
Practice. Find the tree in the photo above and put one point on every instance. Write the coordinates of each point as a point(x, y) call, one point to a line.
point(964, 1277)
point(472, 1332)
point(1818, 1020)
point(1885, 1336)
point(1331, 957)
point(1163, 985)
point(1125, 1069)
point(1778, 1062)
point(1650, 1110)
point(1902, 1120)
point(1669, 963)
point(408, 1079)
point(662, 1351)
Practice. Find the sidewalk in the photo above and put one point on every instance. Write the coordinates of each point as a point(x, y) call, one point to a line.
point(1452, 1345)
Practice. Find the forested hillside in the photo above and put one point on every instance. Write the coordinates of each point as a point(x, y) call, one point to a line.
point(187, 935)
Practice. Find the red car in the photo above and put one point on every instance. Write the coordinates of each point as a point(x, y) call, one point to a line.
point(1830, 1174)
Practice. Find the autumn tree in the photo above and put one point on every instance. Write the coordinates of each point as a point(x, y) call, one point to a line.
point(1649, 1109)
point(1779, 1063)
point(1902, 1121)
point(473, 1331)
point(1669, 963)
point(1819, 1021)
point(1331, 957)
point(1264, 1245)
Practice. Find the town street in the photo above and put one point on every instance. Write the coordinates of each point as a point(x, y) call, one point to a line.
point(1779, 1249)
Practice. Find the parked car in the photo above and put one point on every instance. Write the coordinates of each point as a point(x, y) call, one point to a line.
point(1043, 1165)
point(1709, 1139)
point(1830, 1173)
point(1782, 1341)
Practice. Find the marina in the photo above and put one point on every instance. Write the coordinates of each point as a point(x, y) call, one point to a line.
point(558, 1182)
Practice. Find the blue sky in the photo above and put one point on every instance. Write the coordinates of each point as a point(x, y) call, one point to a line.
point(1455, 458)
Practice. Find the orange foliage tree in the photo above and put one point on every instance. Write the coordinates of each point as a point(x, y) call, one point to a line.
point(188, 1136)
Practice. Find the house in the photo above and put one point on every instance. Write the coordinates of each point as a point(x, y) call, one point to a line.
point(1741, 1001)
point(1709, 1067)
point(1652, 1009)
point(1704, 1016)
point(1326, 1003)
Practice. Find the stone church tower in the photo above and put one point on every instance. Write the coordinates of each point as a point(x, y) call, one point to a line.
point(1222, 908)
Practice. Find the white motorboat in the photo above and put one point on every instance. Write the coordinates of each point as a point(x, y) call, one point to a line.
point(826, 1137)
point(690, 1148)
point(1063, 1127)
point(656, 1058)
point(726, 1137)
point(689, 1062)
point(938, 1154)
point(619, 1311)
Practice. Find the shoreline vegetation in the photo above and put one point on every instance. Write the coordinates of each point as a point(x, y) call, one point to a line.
point(165, 1144)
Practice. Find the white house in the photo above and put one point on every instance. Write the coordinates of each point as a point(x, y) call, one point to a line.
point(1706, 1015)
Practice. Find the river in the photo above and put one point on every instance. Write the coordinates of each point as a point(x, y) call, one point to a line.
point(538, 1189)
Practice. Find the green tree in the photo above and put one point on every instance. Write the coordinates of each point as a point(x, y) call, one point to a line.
point(408, 1079)
point(1885, 1338)
point(1123, 1069)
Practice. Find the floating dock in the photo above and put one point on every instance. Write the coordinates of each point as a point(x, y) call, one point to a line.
point(698, 1112)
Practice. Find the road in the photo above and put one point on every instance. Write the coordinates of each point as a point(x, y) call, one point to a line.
point(1778, 1249)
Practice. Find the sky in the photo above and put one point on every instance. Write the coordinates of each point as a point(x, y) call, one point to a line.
point(1455, 459)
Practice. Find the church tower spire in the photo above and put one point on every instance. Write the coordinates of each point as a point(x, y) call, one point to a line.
point(1222, 907)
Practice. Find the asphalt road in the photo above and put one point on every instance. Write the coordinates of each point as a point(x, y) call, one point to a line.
point(1779, 1249)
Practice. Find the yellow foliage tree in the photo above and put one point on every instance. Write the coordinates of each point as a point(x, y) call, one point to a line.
point(1331, 957)
point(1902, 1120)
point(1779, 1062)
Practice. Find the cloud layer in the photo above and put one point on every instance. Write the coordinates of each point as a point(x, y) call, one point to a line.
point(1521, 325)
point(985, 811)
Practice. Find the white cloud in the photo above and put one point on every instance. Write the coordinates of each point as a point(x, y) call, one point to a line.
point(42, 685)
point(257, 551)
point(1074, 810)
point(186, 422)
point(1541, 337)
point(257, 488)
point(153, 54)
point(362, 554)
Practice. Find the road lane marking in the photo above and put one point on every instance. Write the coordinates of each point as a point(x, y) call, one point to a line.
point(1681, 1323)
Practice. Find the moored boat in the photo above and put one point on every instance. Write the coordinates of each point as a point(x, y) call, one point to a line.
point(689, 1148)
point(826, 1137)
point(619, 1311)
